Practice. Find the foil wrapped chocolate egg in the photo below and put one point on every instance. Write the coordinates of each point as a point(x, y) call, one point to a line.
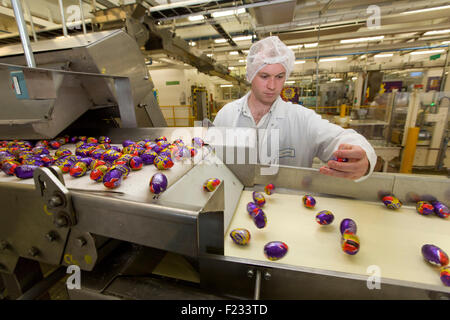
point(158, 183)
point(275, 250)
point(181, 153)
point(309, 201)
point(348, 224)
point(78, 169)
point(127, 143)
point(391, 202)
point(61, 152)
point(268, 189)
point(434, 255)
point(211, 184)
point(240, 236)
point(91, 140)
point(54, 144)
point(440, 209)
point(445, 275)
point(339, 159)
point(9, 167)
point(258, 198)
point(259, 218)
point(25, 171)
point(198, 142)
point(98, 173)
point(192, 151)
point(95, 163)
point(122, 168)
point(40, 150)
point(64, 164)
point(163, 162)
point(148, 157)
point(112, 178)
point(324, 217)
point(424, 208)
point(136, 163)
point(104, 139)
point(252, 208)
point(350, 243)
point(160, 139)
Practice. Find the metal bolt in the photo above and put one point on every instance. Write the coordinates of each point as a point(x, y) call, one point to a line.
point(55, 201)
point(61, 221)
point(51, 236)
point(250, 273)
point(81, 241)
point(33, 251)
point(267, 275)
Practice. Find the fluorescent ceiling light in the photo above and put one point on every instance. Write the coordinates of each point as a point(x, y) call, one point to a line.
point(218, 14)
point(332, 59)
point(363, 56)
point(220, 40)
point(354, 78)
point(429, 33)
point(427, 52)
point(290, 82)
point(233, 53)
point(196, 18)
point(377, 38)
point(299, 61)
point(231, 68)
point(336, 79)
point(242, 38)
point(226, 85)
point(295, 46)
point(311, 45)
point(445, 42)
point(383, 55)
point(241, 60)
point(427, 9)
point(209, 54)
point(192, 43)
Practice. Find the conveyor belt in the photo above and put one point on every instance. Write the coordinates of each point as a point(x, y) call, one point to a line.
point(391, 240)
point(135, 187)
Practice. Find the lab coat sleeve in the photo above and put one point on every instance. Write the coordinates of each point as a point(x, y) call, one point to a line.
point(326, 138)
point(224, 116)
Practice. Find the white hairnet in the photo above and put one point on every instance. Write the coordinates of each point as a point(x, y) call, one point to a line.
point(269, 51)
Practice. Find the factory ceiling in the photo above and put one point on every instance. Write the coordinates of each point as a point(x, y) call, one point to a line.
point(225, 30)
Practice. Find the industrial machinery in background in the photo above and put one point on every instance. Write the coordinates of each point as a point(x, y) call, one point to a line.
point(121, 238)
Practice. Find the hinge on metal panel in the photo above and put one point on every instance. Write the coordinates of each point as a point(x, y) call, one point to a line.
point(50, 184)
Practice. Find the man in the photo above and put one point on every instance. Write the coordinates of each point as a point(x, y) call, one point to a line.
point(303, 134)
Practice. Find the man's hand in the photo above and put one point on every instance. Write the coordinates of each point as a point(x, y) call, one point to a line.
point(356, 167)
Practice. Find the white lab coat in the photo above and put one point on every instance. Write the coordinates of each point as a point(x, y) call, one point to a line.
point(303, 134)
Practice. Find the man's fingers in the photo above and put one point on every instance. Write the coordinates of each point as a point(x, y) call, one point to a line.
point(352, 153)
point(344, 166)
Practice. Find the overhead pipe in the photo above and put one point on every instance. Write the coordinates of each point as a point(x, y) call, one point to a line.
point(63, 17)
point(21, 25)
point(82, 17)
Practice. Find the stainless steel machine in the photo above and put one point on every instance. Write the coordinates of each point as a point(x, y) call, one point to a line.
point(130, 244)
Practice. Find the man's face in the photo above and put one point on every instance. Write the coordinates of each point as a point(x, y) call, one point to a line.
point(268, 83)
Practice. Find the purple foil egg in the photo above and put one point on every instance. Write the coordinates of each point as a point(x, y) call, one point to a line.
point(113, 178)
point(445, 275)
point(424, 208)
point(260, 219)
point(158, 183)
point(240, 236)
point(275, 250)
point(440, 209)
point(434, 255)
point(136, 163)
point(25, 171)
point(348, 224)
point(258, 198)
point(252, 209)
point(324, 217)
point(127, 143)
point(148, 157)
